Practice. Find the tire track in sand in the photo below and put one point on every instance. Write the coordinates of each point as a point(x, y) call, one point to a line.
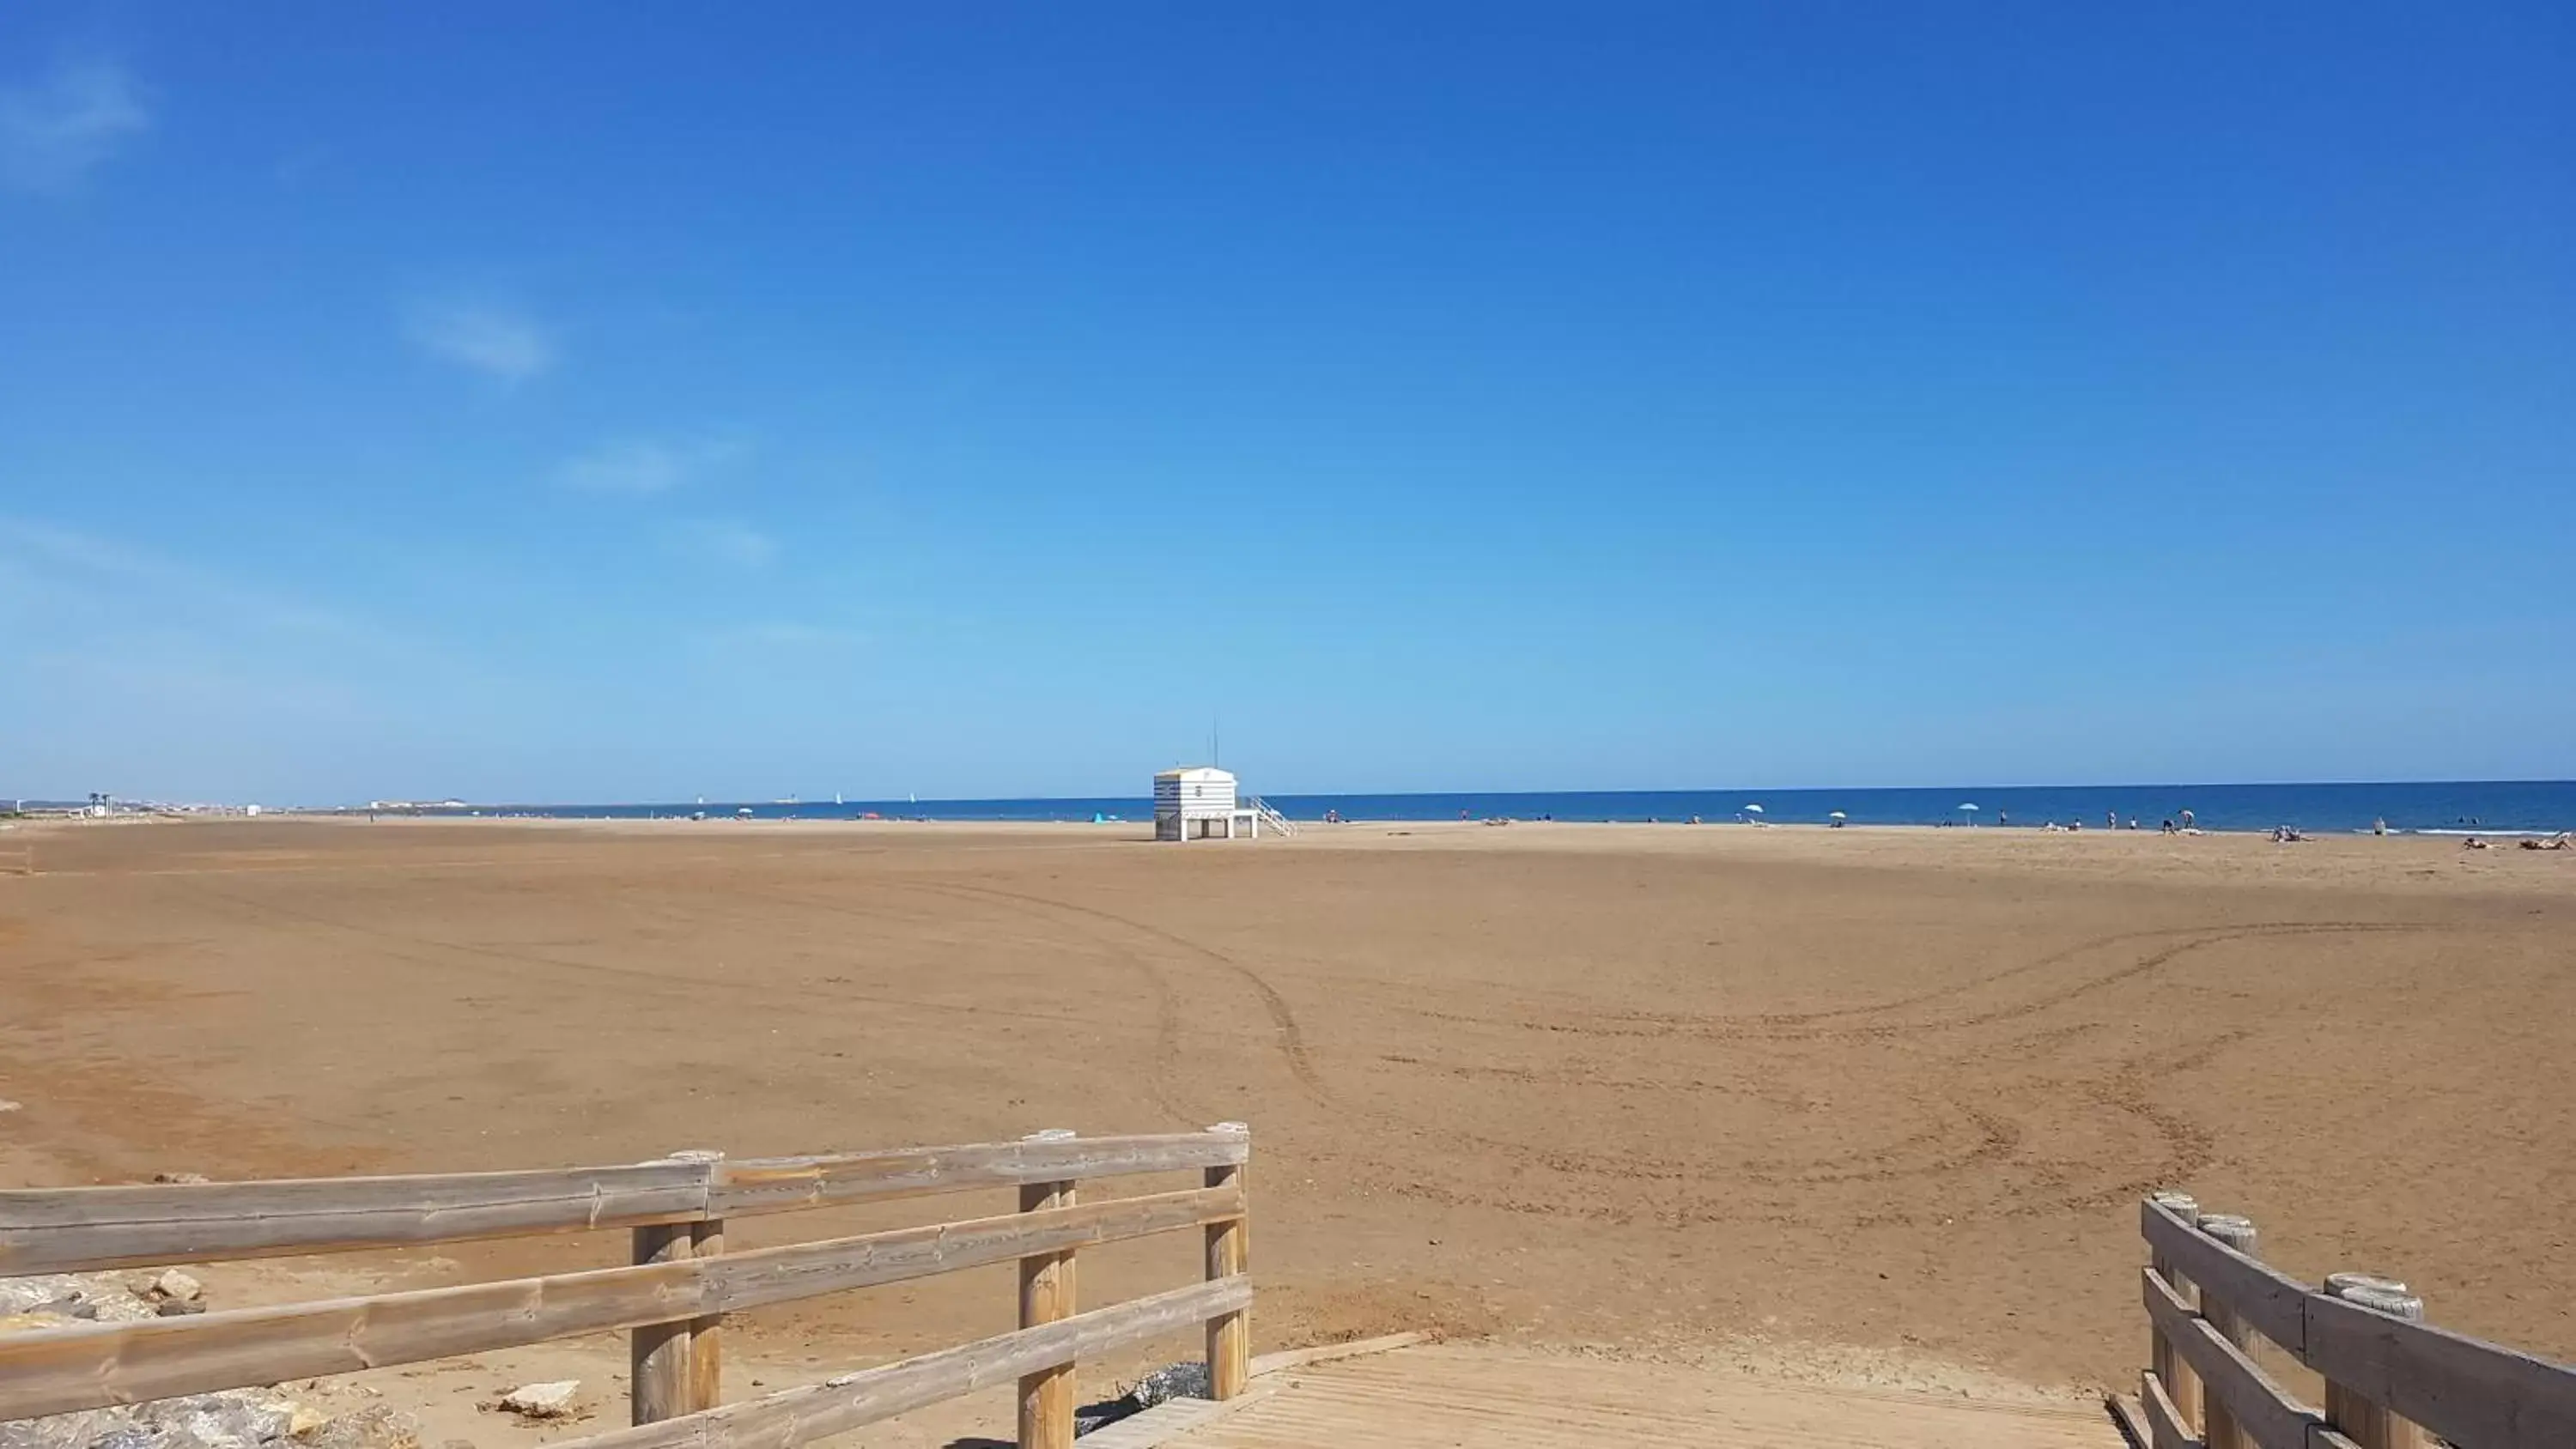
point(1290, 1036)
point(1791, 1027)
point(1994, 1136)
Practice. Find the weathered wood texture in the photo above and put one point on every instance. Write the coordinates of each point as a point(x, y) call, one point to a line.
point(1046, 1296)
point(80, 1229)
point(2271, 1303)
point(2230, 1382)
point(2218, 1426)
point(2371, 1425)
point(706, 1331)
point(658, 1353)
point(1481, 1395)
point(57, 1370)
point(1229, 1338)
point(83, 1229)
point(2466, 1390)
point(851, 1401)
point(2165, 1426)
point(787, 1183)
point(2180, 1385)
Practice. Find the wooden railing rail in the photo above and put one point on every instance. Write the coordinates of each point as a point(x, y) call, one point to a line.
point(2391, 1380)
point(854, 1400)
point(83, 1229)
point(672, 1298)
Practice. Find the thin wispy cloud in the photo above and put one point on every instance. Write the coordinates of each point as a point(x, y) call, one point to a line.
point(57, 129)
point(499, 343)
point(75, 565)
point(783, 634)
point(155, 670)
point(641, 467)
point(728, 541)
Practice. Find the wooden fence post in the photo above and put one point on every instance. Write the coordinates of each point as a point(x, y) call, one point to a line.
point(660, 1382)
point(657, 1356)
point(1046, 1295)
point(2219, 1429)
point(2369, 1424)
point(706, 1333)
point(1229, 1335)
point(2181, 1382)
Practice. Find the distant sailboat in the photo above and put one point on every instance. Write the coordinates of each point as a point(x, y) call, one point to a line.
point(836, 797)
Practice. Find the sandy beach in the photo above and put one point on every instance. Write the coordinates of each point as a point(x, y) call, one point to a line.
point(1694, 1091)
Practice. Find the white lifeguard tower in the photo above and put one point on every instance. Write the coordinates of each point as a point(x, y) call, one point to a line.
point(1199, 802)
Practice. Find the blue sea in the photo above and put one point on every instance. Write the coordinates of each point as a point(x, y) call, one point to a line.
point(2491, 806)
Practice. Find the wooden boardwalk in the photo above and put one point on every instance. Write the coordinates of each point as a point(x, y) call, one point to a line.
point(1444, 1395)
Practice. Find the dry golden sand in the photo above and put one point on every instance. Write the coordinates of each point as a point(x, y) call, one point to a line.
point(1697, 1092)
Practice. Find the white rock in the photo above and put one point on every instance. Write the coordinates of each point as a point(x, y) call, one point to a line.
point(174, 1284)
point(542, 1401)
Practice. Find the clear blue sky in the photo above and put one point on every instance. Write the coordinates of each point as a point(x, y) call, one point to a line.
point(607, 401)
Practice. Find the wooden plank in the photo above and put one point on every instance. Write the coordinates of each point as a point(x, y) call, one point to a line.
point(784, 1184)
point(779, 1275)
point(1281, 1360)
point(85, 1229)
point(1171, 1419)
point(2464, 1389)
point(855, 1400)
point(2272, 1303)
point(2228, 1379)
point(2130, 1420)
point(2165, 1427)
point(96, 1365)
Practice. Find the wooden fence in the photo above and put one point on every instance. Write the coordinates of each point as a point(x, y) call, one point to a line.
point(672, 1299)
point(2392, 1381)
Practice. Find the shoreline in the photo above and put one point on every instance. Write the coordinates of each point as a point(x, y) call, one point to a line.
point(2436, 832)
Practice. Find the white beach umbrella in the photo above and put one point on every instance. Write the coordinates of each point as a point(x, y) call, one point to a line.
point(1969, 806)
point(1753, 809)
point(1836, 815)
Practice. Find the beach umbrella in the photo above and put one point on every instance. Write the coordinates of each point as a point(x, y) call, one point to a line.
point(1968, 808)
point(1753, 809)
point(1836, 815)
